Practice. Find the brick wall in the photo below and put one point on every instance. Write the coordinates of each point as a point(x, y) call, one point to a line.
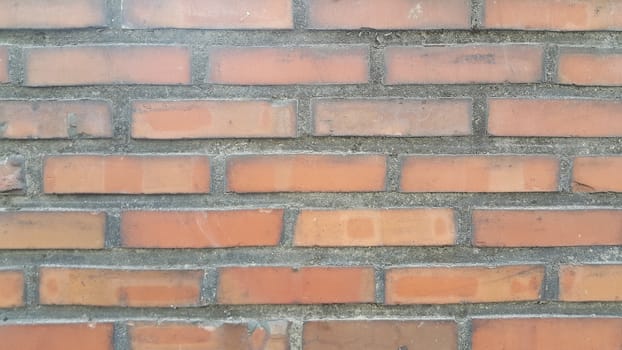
point(310, 174)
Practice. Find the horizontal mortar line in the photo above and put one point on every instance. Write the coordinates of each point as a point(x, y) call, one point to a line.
point(302, 36)
point(314, 200)
point(233, 313)
point(123, 258)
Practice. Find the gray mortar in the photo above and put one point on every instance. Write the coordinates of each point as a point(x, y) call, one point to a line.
point(200, 41)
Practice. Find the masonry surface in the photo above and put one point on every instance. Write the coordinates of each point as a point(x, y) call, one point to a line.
point(310, 174)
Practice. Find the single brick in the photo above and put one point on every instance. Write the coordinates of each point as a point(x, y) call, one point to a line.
point(92, 65)
point(286, 285)
point(201, 229)
point(55, 119)
point(380, 335)
point(452, 285)
point(289, 65)
point(547, 333)
point(555, 117)
point(479, 174)
point(597, 174)
point(12, 174)
point(52, 14)
point(464, 64)
point(210, 14)
point(134, 288)
point(306, 173)
point(11, 291)
point(392, 117)
point(52, 230)
point(127, 174)
point(4, 65)
point(558, 15)
point(75, 336)
point(389, 14)
point(380, 227)
point(547, 228)
point(213, 118)
point(590, 283)
point(588, 66)
point(169, 336)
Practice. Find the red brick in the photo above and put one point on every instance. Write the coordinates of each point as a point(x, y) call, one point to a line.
point(289, 65)
point(92, 65)
point(53, 14)
point(285, 285)
point(127, 174)
point(55, 119)
point(547, 228)
point(590, 283)
point(11, 174)
point(201, 229)
point(479, 174)
point(76, 336)
point(52, 230)
point(134, 288)
point(464, 64)
point(213, 118)
point(597, 174)
point(211, 14)
point(558, 15)
point(590, 67)
point(11, 290)
point(389, 14)
point(306, 173)
point(368, 227)
point(452, 285)
point(392, 117)
point(555, 117)
point(547, 333)
point(4, 65)
point(379, 335)
point(169, 336)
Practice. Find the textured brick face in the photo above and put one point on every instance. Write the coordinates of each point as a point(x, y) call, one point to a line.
point(54, 14)
point(57, 336)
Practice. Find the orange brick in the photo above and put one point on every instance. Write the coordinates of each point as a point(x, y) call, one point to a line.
point(11, 290)
point(134, 288)
point(127, 174)
point(590, 283)
point(55, 119)
point(91, 65)
point(264, 336)
point(389, 14)
point(289, 65)
point(590, 67)
point(213, 118)
point(452, 285)
point(4, 65)
point(306, 173)
point(553, 14)
point(52, 14)
point(285, 285)
point(547, 333)
point(76, 336)
point(392, 227)
point(555, 117)
point(11, 174)
point(392, 117)
point(379, 335)
point(52, 230)
point(547, 228)
point(464, 64)
point(211, 14)
point(597, 174)
point(201, 229)
point(479, 174)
